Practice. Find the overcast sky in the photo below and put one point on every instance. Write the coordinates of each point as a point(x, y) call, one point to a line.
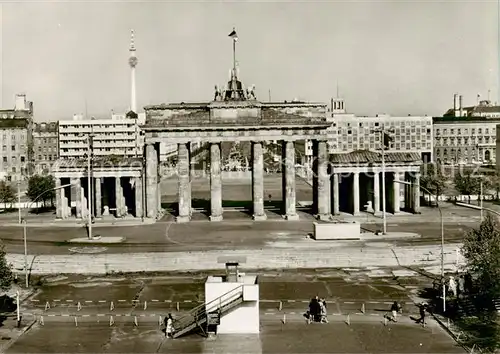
point(395, 57)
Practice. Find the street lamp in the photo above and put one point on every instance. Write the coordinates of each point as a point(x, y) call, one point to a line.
point(89, 182)
point(383, 133)
point(442, 238)
point(25, 227)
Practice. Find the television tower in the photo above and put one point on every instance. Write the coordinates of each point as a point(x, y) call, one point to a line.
point(132, 61)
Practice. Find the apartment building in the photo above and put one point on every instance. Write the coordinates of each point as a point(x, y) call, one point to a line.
point(118, 136)
point(45, 145)
point(16, 127)
point(466, 135)
point(349, 132)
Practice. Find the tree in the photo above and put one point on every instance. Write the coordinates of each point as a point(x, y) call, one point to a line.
point(493, 182)
point(433, 179)
point(7, 194)
point(467, 184)
point(41, 187)
point(481, 249)
point(6, 275)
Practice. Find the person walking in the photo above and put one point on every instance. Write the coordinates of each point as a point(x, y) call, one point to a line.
point(169, 326)
point(421, 310)
point(324, 312)
point(395, 308)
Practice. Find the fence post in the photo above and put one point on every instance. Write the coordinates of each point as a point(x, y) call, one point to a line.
point(363, 307)
point(159, 321)
point(385, 320)
point(78, 306)
point(76, 322)
point(145, 305)
point(177, 306)
point(348, 320)
point(280, 306)
point(41, 321)
point(112, 306)
point(111, 321)
point(47, 306)
point(135, 321)
point(284, 318)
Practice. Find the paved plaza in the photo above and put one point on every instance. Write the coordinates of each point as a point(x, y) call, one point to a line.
point(284, 298)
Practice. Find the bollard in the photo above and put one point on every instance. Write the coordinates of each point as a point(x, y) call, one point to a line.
point(284, 318)
point(79, 306)
point(41, 320)
point(135, 321)
point(111, 321)
point(280, 306)
point(363, 308)
point(112, 306)
point(160, 322)
point(76, 322)
point(145, 305)
point(177, 306)
point(47, 306)
point(348, 320)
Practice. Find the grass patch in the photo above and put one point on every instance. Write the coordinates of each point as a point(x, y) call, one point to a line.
point(481, 333)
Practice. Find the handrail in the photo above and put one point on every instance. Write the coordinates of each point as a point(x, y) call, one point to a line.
point(200, 309)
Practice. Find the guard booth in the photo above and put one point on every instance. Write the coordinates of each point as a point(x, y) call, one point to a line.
point(232, 300)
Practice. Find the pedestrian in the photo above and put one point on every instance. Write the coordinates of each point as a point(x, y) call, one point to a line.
point(169, 326)
point(461, 285)
point(324, 312)
point(422, 309)
point(452, 286)
point(395, 308)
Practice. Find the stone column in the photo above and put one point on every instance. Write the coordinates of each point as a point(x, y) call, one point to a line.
point(138, 197)
point(84, 199)
point(258, 182)
point(151, 181)
point(288, 188)
point(355, 194)
point(323, 182)
point(118, 197)
point(98, 198)
point(184, 187)
point(396, 193)
point(215, 183)
point(59, 200)
point(315, 180)
point(336, 201)
point(78, 194)
point(376, 193)
point(416, 193)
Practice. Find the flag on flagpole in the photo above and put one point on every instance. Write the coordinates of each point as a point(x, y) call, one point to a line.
point(233, 35)
point(387, 140)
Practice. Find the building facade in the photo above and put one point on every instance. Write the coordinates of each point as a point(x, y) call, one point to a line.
point(45, 146)
point(16, 139)
point(466, 135)
point(116, 136)
point(349, 132)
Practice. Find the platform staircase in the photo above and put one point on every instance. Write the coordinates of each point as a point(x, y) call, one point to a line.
point(198, 317)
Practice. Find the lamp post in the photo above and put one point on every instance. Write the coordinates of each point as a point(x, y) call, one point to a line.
point(442, 238)
point(89, 182)
point(383, 132)
point(25, 227)
point(19, 200)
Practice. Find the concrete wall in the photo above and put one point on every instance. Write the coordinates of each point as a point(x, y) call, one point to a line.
point(242, 319)
point(337, 231)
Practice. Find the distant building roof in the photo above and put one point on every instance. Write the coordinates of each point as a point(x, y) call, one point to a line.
point(367, 156)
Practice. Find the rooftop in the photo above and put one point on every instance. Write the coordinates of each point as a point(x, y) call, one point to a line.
point(367, 156)
point(465, 119)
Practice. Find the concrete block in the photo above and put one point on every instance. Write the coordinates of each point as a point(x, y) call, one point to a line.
point(337, 231)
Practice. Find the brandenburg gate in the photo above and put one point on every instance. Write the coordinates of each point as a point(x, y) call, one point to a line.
point(235, 114)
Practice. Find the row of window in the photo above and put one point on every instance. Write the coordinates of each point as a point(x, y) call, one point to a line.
point(13, 148)
point(96, 150)
point(13, 159)
point(47, 157)
point(105, 126)
point(465, 140)
point(13, 137)
point(398, 146)
point(459, 131)
point(400, 124)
